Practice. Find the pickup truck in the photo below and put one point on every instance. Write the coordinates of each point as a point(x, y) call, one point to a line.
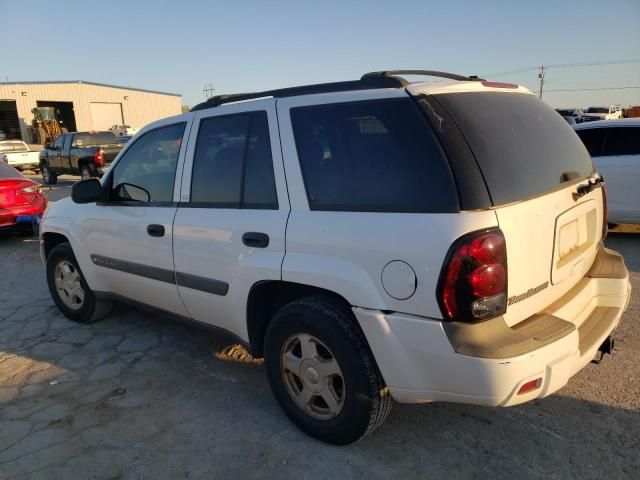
point(87, 154)
point(18, 155)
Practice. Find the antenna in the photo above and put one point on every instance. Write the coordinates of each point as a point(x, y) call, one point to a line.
point(208, 91)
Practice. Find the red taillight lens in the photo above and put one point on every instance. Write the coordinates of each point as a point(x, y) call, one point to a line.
point(473, 282)
point(488, 280)
point(98, 159)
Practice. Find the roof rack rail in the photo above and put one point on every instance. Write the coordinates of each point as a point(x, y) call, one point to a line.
point(370, 83)
point(430, 73)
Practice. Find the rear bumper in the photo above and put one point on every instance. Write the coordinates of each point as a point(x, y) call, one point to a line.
point(422, 361)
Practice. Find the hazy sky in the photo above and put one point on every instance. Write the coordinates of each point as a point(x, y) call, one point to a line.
point(248, 45)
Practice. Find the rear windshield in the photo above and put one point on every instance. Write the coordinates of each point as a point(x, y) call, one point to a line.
point(13, 147)
point(92, 139)
point(597, 110)
point(523, 147)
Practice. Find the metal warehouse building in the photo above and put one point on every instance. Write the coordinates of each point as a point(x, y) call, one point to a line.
point(81, 106)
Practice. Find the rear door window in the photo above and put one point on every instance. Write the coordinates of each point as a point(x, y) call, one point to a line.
point(522, 146)
point(593, 139)
point(232, 166)
point(622, 141)
point(376, 156)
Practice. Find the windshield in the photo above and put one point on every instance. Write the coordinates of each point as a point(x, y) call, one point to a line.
point(13, 147)
point(522, 147)
point(565, 113)
point(93, 139)
point(597, 110)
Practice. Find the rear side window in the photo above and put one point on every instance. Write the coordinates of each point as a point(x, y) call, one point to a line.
point(593, 139)
point(523, 147)
point(622, 141)
point(378, 156)
point(233, 167)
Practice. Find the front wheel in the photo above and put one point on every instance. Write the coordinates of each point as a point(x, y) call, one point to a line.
point(48, 176)
point(69, 289)
point(322, 373)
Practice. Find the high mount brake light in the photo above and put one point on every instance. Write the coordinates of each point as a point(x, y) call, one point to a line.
point(473, 281)
point(499, 85)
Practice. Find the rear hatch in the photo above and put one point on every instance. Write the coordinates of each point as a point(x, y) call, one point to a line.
point(533, 164)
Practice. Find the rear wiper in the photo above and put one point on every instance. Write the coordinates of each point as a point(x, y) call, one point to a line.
point(585, 188)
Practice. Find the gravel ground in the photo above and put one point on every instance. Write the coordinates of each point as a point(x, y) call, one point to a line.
point(140, 397)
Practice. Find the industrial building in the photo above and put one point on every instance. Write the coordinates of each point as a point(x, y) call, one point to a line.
point(81, 106)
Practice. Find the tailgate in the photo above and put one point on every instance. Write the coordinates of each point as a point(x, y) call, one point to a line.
point(552, 241)
point(110, 153)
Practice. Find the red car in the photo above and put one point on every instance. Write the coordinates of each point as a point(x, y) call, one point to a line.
point(21, 201)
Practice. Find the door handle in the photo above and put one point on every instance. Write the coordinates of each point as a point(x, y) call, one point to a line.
point(155, 230)
point(255, 239)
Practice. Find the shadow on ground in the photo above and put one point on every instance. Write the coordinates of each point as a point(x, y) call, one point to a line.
point(135, 396)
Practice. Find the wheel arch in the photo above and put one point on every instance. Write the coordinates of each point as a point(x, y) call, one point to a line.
point(267, 297)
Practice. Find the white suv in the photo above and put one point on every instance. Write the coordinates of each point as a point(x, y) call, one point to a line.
point(371, 239)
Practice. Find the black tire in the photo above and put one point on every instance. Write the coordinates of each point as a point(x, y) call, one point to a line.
point(49, 177)
point(91, 309)
point(366, 401)
point(85, 172)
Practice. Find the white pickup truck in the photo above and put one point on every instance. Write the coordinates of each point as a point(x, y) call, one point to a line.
point(17, 154)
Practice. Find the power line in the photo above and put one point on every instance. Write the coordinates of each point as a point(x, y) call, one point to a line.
point(565, 65)
point(591, 89)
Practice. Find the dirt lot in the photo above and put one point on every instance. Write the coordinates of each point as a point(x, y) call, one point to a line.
point(135, 396)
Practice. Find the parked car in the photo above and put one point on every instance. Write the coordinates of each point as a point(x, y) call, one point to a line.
point(614, 146)
point(21, 201)
point(372, 240)
point(571, 115)
point(592, 114)
point(87, 154)
point(121, 130)
point(17, 154)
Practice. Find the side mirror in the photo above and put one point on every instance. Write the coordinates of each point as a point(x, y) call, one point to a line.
point(87, 191)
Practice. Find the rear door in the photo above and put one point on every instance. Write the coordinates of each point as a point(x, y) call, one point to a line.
point(619, 162)
point(532, 163)
point(229, 228)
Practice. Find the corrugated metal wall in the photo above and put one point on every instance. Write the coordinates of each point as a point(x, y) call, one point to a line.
point(138, 107)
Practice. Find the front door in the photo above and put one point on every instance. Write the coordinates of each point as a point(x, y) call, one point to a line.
point(230, 224)
point(130, 237)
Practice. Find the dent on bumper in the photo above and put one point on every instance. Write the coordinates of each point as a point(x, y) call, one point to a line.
point(420, 364)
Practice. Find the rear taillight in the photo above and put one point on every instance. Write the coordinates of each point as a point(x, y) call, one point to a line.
point(605, 211)
point(473, 281)
point(98, 159)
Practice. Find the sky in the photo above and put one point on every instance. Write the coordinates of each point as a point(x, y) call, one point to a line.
point(240, 46)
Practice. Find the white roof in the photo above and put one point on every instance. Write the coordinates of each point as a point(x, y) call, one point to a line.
point(435, 88)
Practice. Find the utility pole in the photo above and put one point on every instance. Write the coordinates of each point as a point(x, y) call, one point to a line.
point(208, 91)
point(541, 77)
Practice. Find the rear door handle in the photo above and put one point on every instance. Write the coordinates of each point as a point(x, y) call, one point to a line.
point(155, 230)
point(255, 239)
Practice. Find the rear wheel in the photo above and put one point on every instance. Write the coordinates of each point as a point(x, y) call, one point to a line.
point(322, 373)
point(69, 289)
point(85, 172)
point(48, 176)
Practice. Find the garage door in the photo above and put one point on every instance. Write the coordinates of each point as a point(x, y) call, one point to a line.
point(104, 115)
